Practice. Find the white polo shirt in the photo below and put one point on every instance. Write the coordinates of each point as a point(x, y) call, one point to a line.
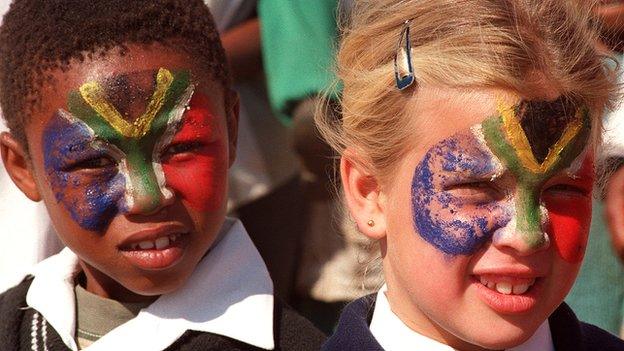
point(393, 335)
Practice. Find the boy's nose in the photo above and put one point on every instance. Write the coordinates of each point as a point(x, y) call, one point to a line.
point(145, 195)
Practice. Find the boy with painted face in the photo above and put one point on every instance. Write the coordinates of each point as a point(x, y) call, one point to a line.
point(123, 122)
point(468, 155)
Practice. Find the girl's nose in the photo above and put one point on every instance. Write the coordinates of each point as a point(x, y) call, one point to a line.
point(525, 233)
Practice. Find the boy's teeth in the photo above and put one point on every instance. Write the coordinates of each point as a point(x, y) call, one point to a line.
point(161, 242)
point(158, 244)
point(146, 245)
point(520, 289)
point(504, 288)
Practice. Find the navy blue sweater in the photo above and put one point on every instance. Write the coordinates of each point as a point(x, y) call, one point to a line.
point(353, 333)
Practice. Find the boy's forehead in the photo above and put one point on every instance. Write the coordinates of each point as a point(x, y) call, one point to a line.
point(129, 92)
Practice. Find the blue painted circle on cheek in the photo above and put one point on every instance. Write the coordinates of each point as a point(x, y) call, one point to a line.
point(442, 220)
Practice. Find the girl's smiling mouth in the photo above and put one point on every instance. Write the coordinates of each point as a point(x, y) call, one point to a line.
point(508, 293)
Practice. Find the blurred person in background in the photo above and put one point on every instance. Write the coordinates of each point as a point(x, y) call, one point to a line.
point(299, 42)
point(598, 294)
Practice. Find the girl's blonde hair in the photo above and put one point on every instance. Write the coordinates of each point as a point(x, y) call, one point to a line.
point(458, 44)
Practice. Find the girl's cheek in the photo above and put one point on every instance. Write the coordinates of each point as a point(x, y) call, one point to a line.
point(569, 217)
point(569, 221)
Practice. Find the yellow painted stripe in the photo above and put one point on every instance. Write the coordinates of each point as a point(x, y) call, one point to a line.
point(94, 95)
point(518, 140)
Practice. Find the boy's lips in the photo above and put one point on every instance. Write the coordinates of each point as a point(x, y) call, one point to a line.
point(155, 248)
point(508, 291)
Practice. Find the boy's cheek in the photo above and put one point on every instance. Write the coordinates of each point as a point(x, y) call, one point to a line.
point(569, 222)
point(200, 181)
point(92, 202)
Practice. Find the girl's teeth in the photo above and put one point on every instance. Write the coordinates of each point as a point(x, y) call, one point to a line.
point(146, 245)
point(507, 288)
point(161, 242)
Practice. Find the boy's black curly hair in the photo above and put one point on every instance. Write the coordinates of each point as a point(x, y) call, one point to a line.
point(38, 36)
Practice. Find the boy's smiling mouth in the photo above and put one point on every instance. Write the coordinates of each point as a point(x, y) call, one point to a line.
point(156, 248)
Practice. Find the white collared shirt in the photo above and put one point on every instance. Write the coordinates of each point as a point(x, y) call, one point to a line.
point(393, 335)
point(230, 293)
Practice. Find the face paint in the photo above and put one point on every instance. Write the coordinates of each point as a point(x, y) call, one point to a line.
point(532, 141)
point(441, 217)
point(570, 217)
point(199, 180)
point(134, 180)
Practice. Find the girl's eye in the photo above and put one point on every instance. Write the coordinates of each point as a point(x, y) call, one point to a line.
point(480, 191)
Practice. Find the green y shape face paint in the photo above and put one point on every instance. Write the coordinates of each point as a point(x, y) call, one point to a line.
point(531, 143)
point(98, 127)
point(141, 141)
point(535, 141)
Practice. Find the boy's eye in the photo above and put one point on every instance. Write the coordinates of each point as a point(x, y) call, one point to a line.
point(181, 148)
point(92, 164)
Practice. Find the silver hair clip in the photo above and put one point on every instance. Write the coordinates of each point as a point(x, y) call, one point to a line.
point(403, 69)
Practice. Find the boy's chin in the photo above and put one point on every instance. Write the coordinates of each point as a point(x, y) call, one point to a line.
point(151, 289)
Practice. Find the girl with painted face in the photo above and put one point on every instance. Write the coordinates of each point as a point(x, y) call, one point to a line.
point(467, 144)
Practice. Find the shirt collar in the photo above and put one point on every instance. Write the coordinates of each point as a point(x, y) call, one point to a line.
point(393, 335)
point(230, 293)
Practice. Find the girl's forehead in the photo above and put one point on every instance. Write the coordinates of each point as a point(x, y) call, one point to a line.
point(443, 113)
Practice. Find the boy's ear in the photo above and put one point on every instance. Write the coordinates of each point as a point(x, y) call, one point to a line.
point(232, 109)
point(362, 193)
point(18, 167)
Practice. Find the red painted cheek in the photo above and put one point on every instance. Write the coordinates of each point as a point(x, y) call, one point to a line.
point(569, 221)
point(570, 218)
point(199, 177)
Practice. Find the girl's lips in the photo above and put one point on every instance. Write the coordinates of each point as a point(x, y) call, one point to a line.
point(514, 299)
point(164, 252)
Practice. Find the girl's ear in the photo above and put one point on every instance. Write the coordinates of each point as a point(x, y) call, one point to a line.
point(18, 167)
point(362, 192)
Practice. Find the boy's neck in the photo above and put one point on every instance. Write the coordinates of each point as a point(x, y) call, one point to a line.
point(102, 285)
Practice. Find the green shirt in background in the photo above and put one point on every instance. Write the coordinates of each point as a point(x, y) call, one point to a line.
point(597, 297)
point(298, 44)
